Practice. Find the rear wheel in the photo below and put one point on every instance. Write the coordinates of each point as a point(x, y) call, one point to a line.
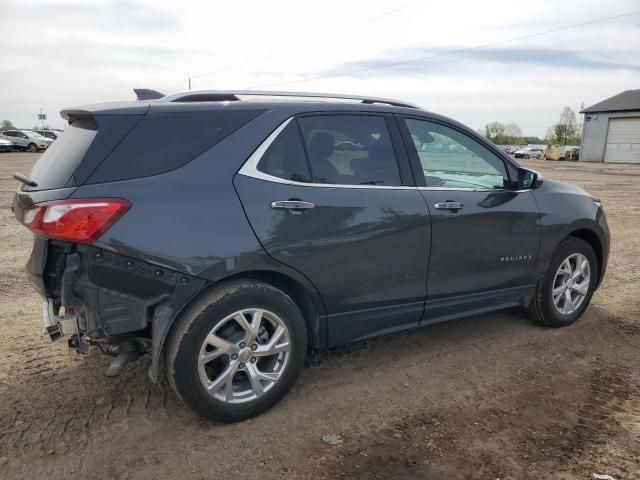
point(237, 351)
point(565, 291)
point(33, 148)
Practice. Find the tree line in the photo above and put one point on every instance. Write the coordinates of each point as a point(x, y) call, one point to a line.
point(566, 131)
point(8, 125)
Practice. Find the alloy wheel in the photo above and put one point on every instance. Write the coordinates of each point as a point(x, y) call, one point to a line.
point(571, 284)
point(244, 355)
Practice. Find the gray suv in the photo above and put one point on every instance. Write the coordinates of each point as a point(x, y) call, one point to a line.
point(26, 140)
point(228, 234)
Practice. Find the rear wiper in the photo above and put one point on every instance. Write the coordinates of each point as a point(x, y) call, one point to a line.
point(24, 179)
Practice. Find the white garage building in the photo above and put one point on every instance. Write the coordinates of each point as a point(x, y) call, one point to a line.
point(611, 129)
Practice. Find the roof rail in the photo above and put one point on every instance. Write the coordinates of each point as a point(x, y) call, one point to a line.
point(232, 95)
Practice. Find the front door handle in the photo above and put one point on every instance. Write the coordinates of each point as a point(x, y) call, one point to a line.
point(449, 205)
point(291, 205)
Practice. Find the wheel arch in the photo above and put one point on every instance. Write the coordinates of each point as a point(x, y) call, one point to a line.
point(309, 303)
point(592, 238)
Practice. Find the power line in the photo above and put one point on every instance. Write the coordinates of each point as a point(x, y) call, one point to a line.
point(273, 54)
point(444, 54)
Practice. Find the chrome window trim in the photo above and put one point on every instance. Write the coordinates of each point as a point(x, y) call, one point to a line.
point(250, 169)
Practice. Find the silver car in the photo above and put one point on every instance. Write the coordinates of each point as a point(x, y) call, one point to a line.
point(528, 152)
point(26, 140)
point(5, 145)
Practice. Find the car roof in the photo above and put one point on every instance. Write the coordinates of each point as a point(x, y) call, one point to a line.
point(195, 100)
point(236, 95)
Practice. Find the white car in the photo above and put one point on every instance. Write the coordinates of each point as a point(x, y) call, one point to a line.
point(26, 140)
point(528, 152)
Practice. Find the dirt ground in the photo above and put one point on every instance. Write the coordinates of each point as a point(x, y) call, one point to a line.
point(487, 397)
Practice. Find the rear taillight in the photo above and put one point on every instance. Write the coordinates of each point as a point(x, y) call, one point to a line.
point(77, 221)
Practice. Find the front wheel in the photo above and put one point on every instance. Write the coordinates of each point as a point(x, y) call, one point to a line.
point(564, 292)
point(236, 351)
point(33, 148)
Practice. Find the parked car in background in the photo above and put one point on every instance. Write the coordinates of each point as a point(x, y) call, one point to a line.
point(558, 152)
point(26, 140)
point(50, 134)
point(5, 145)
point(528, 152)
point(573, 154)
point(227, 236)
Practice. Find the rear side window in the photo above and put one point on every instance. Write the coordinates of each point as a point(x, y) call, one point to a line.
point(57, 164)
point(286, 157)
point(350, 150)
point(162, 142)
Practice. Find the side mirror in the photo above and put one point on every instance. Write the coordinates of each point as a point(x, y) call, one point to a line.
point(529, 179)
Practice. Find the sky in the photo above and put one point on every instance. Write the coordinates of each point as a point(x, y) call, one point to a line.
point(475, 61)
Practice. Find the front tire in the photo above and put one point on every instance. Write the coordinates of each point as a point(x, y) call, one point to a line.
point(565, 290)
point(236, 351)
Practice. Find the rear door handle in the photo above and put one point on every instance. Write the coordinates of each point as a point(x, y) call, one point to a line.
point(449, 205)
point(291, 205)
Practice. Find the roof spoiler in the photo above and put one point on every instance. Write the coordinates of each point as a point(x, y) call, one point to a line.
point(147, 94)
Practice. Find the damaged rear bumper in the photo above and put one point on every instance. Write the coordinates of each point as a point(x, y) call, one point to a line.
point(93, 296)
point(57, 326)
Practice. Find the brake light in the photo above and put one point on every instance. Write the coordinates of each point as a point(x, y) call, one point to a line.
point(78, 221)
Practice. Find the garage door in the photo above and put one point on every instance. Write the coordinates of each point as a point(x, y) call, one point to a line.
point(623, 140)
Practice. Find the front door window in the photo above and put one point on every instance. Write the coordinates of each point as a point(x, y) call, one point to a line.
point(450, 159)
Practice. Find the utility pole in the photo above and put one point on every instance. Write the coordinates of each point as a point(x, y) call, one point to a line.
point(42, 117)
point(189, 83)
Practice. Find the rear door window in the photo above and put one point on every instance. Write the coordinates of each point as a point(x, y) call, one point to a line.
point(350, 150)
point(285, 158)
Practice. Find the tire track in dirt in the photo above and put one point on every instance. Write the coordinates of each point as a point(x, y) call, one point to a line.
point(489, 396)
point(551, 425)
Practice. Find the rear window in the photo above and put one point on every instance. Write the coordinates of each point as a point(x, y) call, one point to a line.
point(162, 142)
point(57, 164)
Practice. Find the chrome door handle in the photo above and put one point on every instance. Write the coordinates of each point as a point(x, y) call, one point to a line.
point(291, 205)
point(449, 205)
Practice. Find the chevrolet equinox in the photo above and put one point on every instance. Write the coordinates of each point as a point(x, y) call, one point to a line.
point(228, 234)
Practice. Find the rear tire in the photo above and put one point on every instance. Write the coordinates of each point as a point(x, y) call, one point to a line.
point(564, 291)
point(236, 351)
point(33, 148)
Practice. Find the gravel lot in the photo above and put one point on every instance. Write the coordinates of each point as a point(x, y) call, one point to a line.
point(491, 396)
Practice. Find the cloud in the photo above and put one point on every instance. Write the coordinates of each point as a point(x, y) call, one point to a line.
point(62, 53)
point(428, 61)
point(95, 16)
